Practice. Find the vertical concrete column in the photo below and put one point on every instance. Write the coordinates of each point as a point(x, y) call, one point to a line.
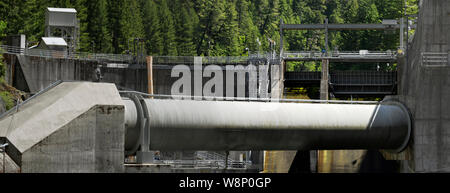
point(275, 82)
point(324, 95)
point(324, 81)
point(9, 76)
point(402, 33)
point(283, 71)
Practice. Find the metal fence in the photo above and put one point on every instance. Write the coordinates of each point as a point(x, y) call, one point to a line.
point(127, 58)
point(205, 59)
point(11, 49)
point(363, 77)
point(68, 55)
point(208, 159)
point(340, 54)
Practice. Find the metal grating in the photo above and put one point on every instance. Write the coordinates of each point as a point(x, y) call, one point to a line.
point(435, 59)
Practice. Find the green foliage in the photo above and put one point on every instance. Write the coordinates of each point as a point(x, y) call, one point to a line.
point(167, 29)
point(97, 27)
point(152, 28)
point(185, 22)
point(2, 67)
point(2, 28)
point(210, 27)
point(130, 24)
point(2, 34)
point(8, 99)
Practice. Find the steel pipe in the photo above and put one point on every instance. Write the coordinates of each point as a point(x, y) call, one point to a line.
point(226, 125)
point(130, 113)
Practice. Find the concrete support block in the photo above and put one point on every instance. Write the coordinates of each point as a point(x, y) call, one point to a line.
point(109, 139)
point(93, 142)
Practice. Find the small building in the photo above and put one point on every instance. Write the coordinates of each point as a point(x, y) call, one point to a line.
point(61, 17)
point(53, 43)
point(54, 47)
point(63, 22)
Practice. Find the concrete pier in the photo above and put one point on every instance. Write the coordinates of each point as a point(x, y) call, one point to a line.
point(425, 90)
point(73, 127)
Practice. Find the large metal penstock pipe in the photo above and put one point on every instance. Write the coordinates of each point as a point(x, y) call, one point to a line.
point(225, 125)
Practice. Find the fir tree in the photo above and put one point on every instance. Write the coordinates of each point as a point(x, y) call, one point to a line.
point(130, 23)
point(185, 26)
point(248, 32)
point(97, 27)
point(167, 30)
point(151, 22)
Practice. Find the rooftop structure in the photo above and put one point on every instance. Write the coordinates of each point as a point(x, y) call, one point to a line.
point(62, 22)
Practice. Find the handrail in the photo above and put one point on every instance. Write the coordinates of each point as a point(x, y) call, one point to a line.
point(338, 54)
point(122, 57)
point(54, 84)
point(207, 164)
point(248, 99)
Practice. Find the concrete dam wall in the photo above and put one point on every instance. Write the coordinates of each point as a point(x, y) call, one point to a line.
point(424, 87)
point(32, 74)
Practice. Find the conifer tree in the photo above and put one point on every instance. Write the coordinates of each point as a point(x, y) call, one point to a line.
point(185, 26)
point(248, 32)
point(130, 23)
point(97, 27)
point(152, 28)
point(167, 29)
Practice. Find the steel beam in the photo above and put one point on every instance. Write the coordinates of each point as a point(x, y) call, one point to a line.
point(346, 60)
point(340, 26)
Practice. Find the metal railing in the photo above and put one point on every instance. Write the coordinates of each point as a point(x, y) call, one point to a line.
point(207, 159)
point(184, 97)
point(126, 58)
point(219, 164)
point(205, 59)
point(363, 78)
point(435, 59)
point(11, 49)
point(68, 55)
point(340, 54)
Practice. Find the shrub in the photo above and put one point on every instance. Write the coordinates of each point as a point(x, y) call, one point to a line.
point(8, 99)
